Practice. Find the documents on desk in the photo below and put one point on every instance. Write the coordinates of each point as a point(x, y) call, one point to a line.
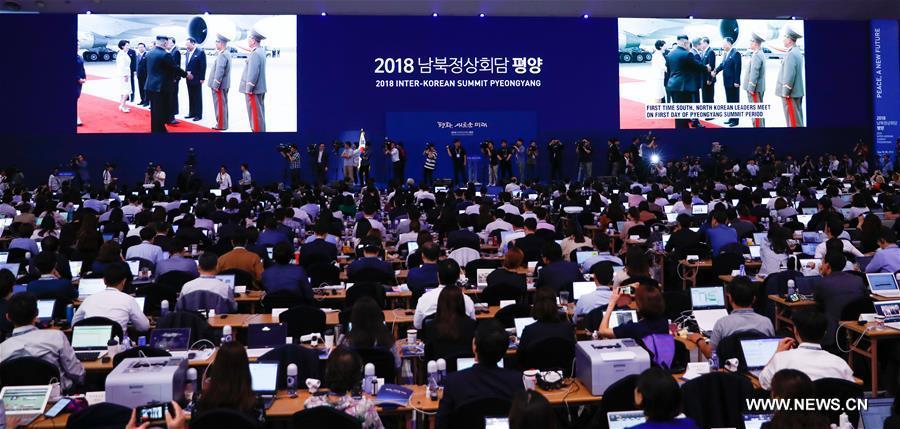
point(140, 381)
point(600, 363)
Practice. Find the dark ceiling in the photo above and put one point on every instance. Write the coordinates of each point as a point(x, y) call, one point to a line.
point(806, 9)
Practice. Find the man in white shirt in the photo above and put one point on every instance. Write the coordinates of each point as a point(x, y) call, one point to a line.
point(448, 275)
point(603, 274)
point(834, 227)
point(513, 186)
point(112, 303)
point(369, 214)
point(146, 250)
point(207, 280)
point(507, 206)
point(497, 222)
point(223, 178)
point(752, 168)
point(808, 357)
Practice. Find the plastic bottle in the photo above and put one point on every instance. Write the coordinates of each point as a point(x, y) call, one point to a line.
point(70, 313)
point(126, 343)
point(142, 341)
point(164, 308)
point(742, 270)
point(112, 347)
point(190, 386)
point(442, 371)
point(432, 380)
point(291, 381)
point(790, 287)
point(369, 379)
point(714, 361)
point(226, 334)
point(406, 373)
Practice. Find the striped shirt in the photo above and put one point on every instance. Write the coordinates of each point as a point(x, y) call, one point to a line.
point(430, 161)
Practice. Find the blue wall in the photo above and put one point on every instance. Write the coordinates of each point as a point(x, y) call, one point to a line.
point(578, 96)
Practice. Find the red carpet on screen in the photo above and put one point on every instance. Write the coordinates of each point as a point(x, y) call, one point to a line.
point(100, 115)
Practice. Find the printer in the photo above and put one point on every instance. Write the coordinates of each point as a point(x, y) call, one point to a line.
point(600, 363)
point(140, 381)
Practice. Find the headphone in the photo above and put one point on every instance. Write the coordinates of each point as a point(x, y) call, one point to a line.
point(551, 379)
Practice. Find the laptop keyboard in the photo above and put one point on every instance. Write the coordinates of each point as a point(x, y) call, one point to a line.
point(87, 356)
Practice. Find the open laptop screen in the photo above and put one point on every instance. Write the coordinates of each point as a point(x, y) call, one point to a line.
point(266, 335)
point(580, 289)
point(584, 255)
point(45, 309)
point(889, 309)
point(707, 297)
point(263, 376)
point(171, 339)
point(25, 400)
point(758, 352)
point(621, 317)
point(91, 337)
point(625, 419)
point(880, 282)
point(521, 323)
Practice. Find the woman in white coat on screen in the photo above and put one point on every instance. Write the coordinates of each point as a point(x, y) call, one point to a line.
point(658, 74)
point(123, 75)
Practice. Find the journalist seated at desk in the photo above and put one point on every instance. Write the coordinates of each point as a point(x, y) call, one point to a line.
point(343, 376)
point(740, 292)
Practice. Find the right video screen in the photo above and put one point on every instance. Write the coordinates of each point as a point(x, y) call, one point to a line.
point(711, 73)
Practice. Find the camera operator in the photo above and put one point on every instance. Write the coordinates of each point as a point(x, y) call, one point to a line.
point(614, 157)
point(531, 162)
point(487, 148)
point(292, 156)
point(555, 148)
point(321, 160)
point(585, 164)
point(109, 181)
point(393, 151)
point(349, 155)
point(505, 155)
point(82, 175)
point(430, 155)
point(518, 155)
point(458, 154)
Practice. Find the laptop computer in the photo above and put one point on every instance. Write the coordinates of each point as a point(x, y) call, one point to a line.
point(141, 300)
point(699, 209)
point(45, 309)
point(878, 410)
point(75, 268)
point(521, 323)
point(88, 287)
point(228, 279)
point(883, 284)
point(580, 289)
point(804, 219)
point(708, 304)
point(468, 362)
point(756, 421)
point(585, 255)
point(758, 352)
point(13, 268)
point(481, 275)
point(811, 237)
point(810, 267)
point(809, 210)
point(171, 339)
point(890, 310)
point(625, 419)
point(25, 402)
point(671, 217)
point(412, 246)
point(263, 337)
point(759, 237)
point(496, 423)
point(90, 342)
point(135, 267)
point(620, 317)
point(4, 256)
point(755, 252)
point(808, 248)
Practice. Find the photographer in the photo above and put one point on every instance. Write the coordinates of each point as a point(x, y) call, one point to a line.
point(430, 155)
point(292, 156)
point(493, 161)
point(555, 148)
point(393, 151)
point(585, 164)
point(83, 175)
point(531, 162)
point(321, 160)
point(349, 155)
point(505, 155)
point(458, 154)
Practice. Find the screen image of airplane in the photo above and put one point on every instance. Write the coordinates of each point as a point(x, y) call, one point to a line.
point(711, 73)
point(232, 73)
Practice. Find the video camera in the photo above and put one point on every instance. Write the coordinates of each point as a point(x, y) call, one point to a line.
point(484, 144)
point(312, 148)
point(283, 148)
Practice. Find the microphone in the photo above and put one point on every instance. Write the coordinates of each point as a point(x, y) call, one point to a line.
point(191, 386)
point(164, 308)
point(442, 370)
point(292, 380)
point(226, 334)
point(369, 380)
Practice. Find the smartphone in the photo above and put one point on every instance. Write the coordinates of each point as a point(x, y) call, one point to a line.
point(153, 413)
point(627, 290)
point(57, 408)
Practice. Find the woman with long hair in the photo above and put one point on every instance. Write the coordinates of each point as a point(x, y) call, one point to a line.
point(775, 250)
point(45, 229)
point(123, 75)
point(548, 323)
point(226, 384)
point(451, 331)
point(510, 275)
point(575, 238)
point(367, 328)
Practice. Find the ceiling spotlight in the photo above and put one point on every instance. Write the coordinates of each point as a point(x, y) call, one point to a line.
point(585, 16)
point(88, 12)
point(324, 14)
point(481, 15)
point(434, 14)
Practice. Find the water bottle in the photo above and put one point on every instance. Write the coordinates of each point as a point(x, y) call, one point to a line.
point(126, 343)
point(790, 287)
point(369, 379)
point(142, 341)
point(442, 370)
point(112, 347)
point(714, 361)
point(432, 380)
point(742, 270)
point(292, 380)
point(226, 334)
point(70, 313)
point(406, 373)
point(164, 308)
point(190, 386)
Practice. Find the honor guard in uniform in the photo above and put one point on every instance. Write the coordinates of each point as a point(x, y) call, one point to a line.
point(253, 83)
point(220, 81)
point(754, 81)
point(791, 87)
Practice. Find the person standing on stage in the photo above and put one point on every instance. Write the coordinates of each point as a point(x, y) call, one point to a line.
point(223, 179)
point(790, 86)
point(253, 83)
point(458, 154)
point(354, 160)
point(321, 165)
point(754, 81)
point(531, 162)
point(430, 155)
point(731, 74)
point(391, 150)
point(347, 155)
point(161, 69)
point(123, 74)
point(141, 69)
point(81, 78)
point(518, 155)
point(220, 81)
point(293, 158)
point(195, 65)
point(493, 162)
point(365, 166)
point(555, 149)
point(505, 154)
point(109, 181)
point(246, 177)
point(585, 162)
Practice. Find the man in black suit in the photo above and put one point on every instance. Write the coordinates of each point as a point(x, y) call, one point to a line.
point(531, 244)
point(318, 251)
point(321, 160)
point(133, 66)
point(683, 68)
point(484, 379)
point(731, 73)
point(173, 94)
point(835, 290)
point(142, 73)
point(682, 238)
point(462, 237)
point(161, 72)
point(195, 65)
point(708, 58)
point(557, 274)
point(371, 267)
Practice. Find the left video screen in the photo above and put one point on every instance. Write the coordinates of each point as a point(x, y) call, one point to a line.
point(187, 73)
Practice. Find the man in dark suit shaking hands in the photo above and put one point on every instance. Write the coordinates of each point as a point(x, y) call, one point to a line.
point(195, 65)
point(161, 72)
point(731, 74)
point(683, 68)
point(708, 57)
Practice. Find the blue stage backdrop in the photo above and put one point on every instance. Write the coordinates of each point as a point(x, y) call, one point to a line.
point(569, 83)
